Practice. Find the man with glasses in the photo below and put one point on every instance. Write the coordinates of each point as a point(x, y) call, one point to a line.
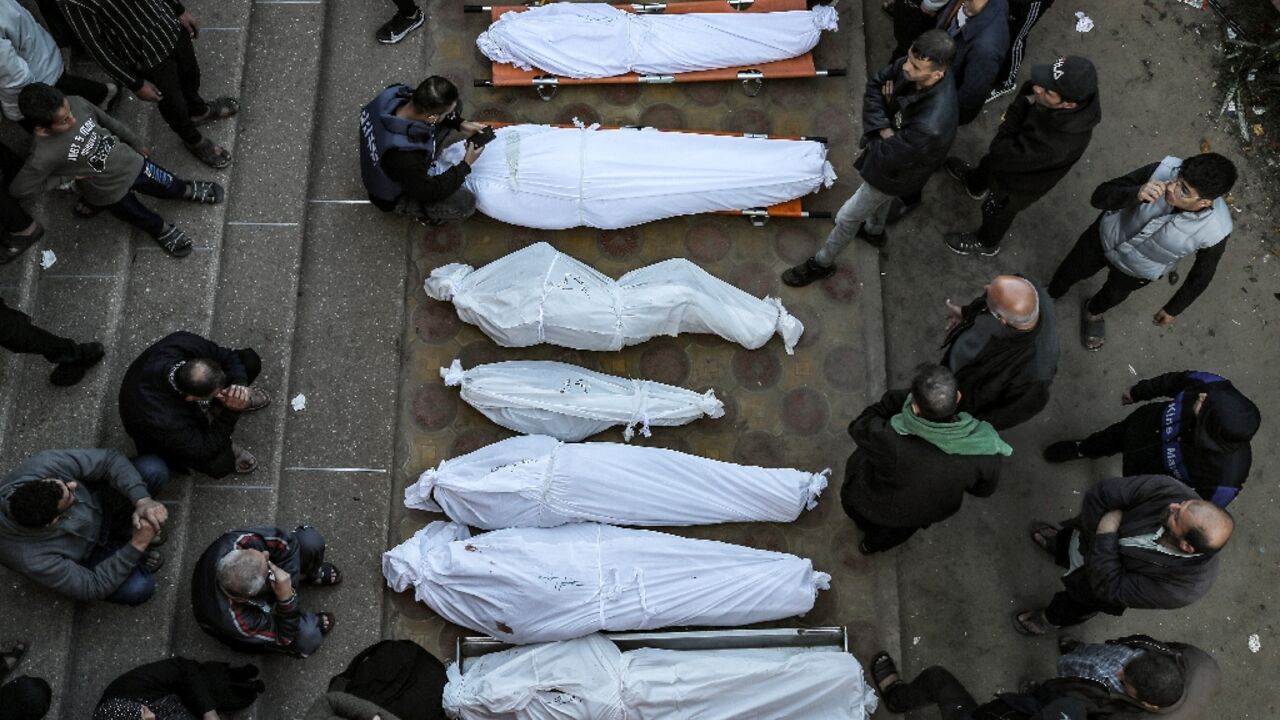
point(244, 590)
point(1003, 349)
point(1146, 542)
point(1152, 218)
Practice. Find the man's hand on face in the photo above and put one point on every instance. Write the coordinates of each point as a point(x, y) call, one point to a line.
point(149, 511)
point(1151, 191)
point(281, 583)
point(234, 397)
point(1109, 523)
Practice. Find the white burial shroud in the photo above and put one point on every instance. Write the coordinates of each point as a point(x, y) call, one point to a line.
point(538, 481)
point(526, 585)
point(592, 40)
point(555, 178)
point(591, 679)
point(540, 295)
point(538, 397)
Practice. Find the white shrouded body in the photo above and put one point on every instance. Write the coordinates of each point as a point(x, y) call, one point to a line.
point(555, 178)
point(540, 295)
point(538, 397)
point(593, 40)
point(526, 585)
point(538, 481)
point(591, 679)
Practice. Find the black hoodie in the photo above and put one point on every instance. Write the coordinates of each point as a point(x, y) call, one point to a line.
point(1035, 146)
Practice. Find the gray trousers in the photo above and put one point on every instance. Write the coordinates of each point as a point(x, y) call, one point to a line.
point(868, 207)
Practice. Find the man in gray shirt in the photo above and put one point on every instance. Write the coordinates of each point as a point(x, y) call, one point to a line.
point(73, 140)
point(82, 523)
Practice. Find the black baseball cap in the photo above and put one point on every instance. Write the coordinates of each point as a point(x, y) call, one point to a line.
point(1074, 78)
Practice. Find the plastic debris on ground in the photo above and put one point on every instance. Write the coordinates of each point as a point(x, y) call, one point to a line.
point(299, 402)
point(47, 259)
point(1084, 23)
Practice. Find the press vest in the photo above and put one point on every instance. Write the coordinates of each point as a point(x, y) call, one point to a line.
point(1146, 241)
point(381, 131)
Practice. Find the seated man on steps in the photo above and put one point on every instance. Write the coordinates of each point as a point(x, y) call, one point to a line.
point(402, 132)
point(73, 140)
point(181, 399)
point(243, 590)
point(83, 523)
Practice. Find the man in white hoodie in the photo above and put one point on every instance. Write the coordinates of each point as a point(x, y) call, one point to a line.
point(28, 54)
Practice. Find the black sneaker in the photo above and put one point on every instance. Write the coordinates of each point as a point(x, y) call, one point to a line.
point(399, 26)
point(1000, 92)
point(13, 245)
point(66, 374)
point(960, 170)
point(1063, 451)
point(807, 272)
point(967, 244)
point(175, 242)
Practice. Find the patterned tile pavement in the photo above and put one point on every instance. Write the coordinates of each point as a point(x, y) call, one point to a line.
point(780, 410)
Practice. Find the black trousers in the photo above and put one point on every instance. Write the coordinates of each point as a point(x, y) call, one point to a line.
point(935, 686)
point(57, 24)
point(17, 334)
point(157, 182)
point(178, 80)
point(1022, 17)
point(1084, 261)
point(999, 209)
point(1070, 606)
point(406, 8)
point(12, 217)
point(909, 23)
point(91, 90)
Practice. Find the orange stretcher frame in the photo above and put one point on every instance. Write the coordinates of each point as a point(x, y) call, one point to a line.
point(752, 78)
point(757, 216)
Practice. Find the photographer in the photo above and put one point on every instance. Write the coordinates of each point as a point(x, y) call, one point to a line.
point(402, 132)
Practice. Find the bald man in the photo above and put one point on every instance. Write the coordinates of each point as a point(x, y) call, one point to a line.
point(1145, 542)
point(1003, 349)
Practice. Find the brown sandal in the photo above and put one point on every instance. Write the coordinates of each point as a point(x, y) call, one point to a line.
point(220, 109)
point(1045, 536)
point(1033, 623)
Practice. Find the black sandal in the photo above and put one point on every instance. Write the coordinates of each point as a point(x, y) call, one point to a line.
point(1045, 540)
point(882, 667)
point(175, 242)
point(220, 109)
point(205, 192)
point(326, 574)
point(327, 621)
point(152, 561)
point(1093, 333)
point(1034, 624)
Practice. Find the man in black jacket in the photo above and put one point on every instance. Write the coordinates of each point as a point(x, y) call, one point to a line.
point(1045, 131)
point(244, 590)
point(181, 399)
point(1200, 437)
point(917, 456)
point(1003, 348)
point(1136, 677)
point(981, 32)
point(203, 689)
point(1145, 542)
point(908, 124)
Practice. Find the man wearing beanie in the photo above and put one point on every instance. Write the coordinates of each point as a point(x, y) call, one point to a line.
point(1044, 132)
point(1200, 437)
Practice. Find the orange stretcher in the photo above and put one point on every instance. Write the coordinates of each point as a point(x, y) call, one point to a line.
point(758, 216)
point(752, 78)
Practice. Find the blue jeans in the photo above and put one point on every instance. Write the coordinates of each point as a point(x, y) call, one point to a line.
point(140, 585)
point(156, 182)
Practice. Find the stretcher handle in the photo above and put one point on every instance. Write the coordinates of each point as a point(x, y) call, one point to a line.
point(818, 214)
point(476, 8)
point(832, 72)
point(481, 82)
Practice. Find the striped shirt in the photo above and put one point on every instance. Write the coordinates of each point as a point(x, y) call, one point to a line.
point(126, 37)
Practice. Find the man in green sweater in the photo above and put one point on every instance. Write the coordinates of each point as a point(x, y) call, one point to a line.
point(73, 140)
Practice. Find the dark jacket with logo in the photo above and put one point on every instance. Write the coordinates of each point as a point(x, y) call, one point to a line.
point(980, 50)
point(904, 480)
point(162, 423)
point(1008, 382)
point(1035, 146)
point(924, 124)
point(1119, 577)
point(1162, 438)
point(248, 624)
